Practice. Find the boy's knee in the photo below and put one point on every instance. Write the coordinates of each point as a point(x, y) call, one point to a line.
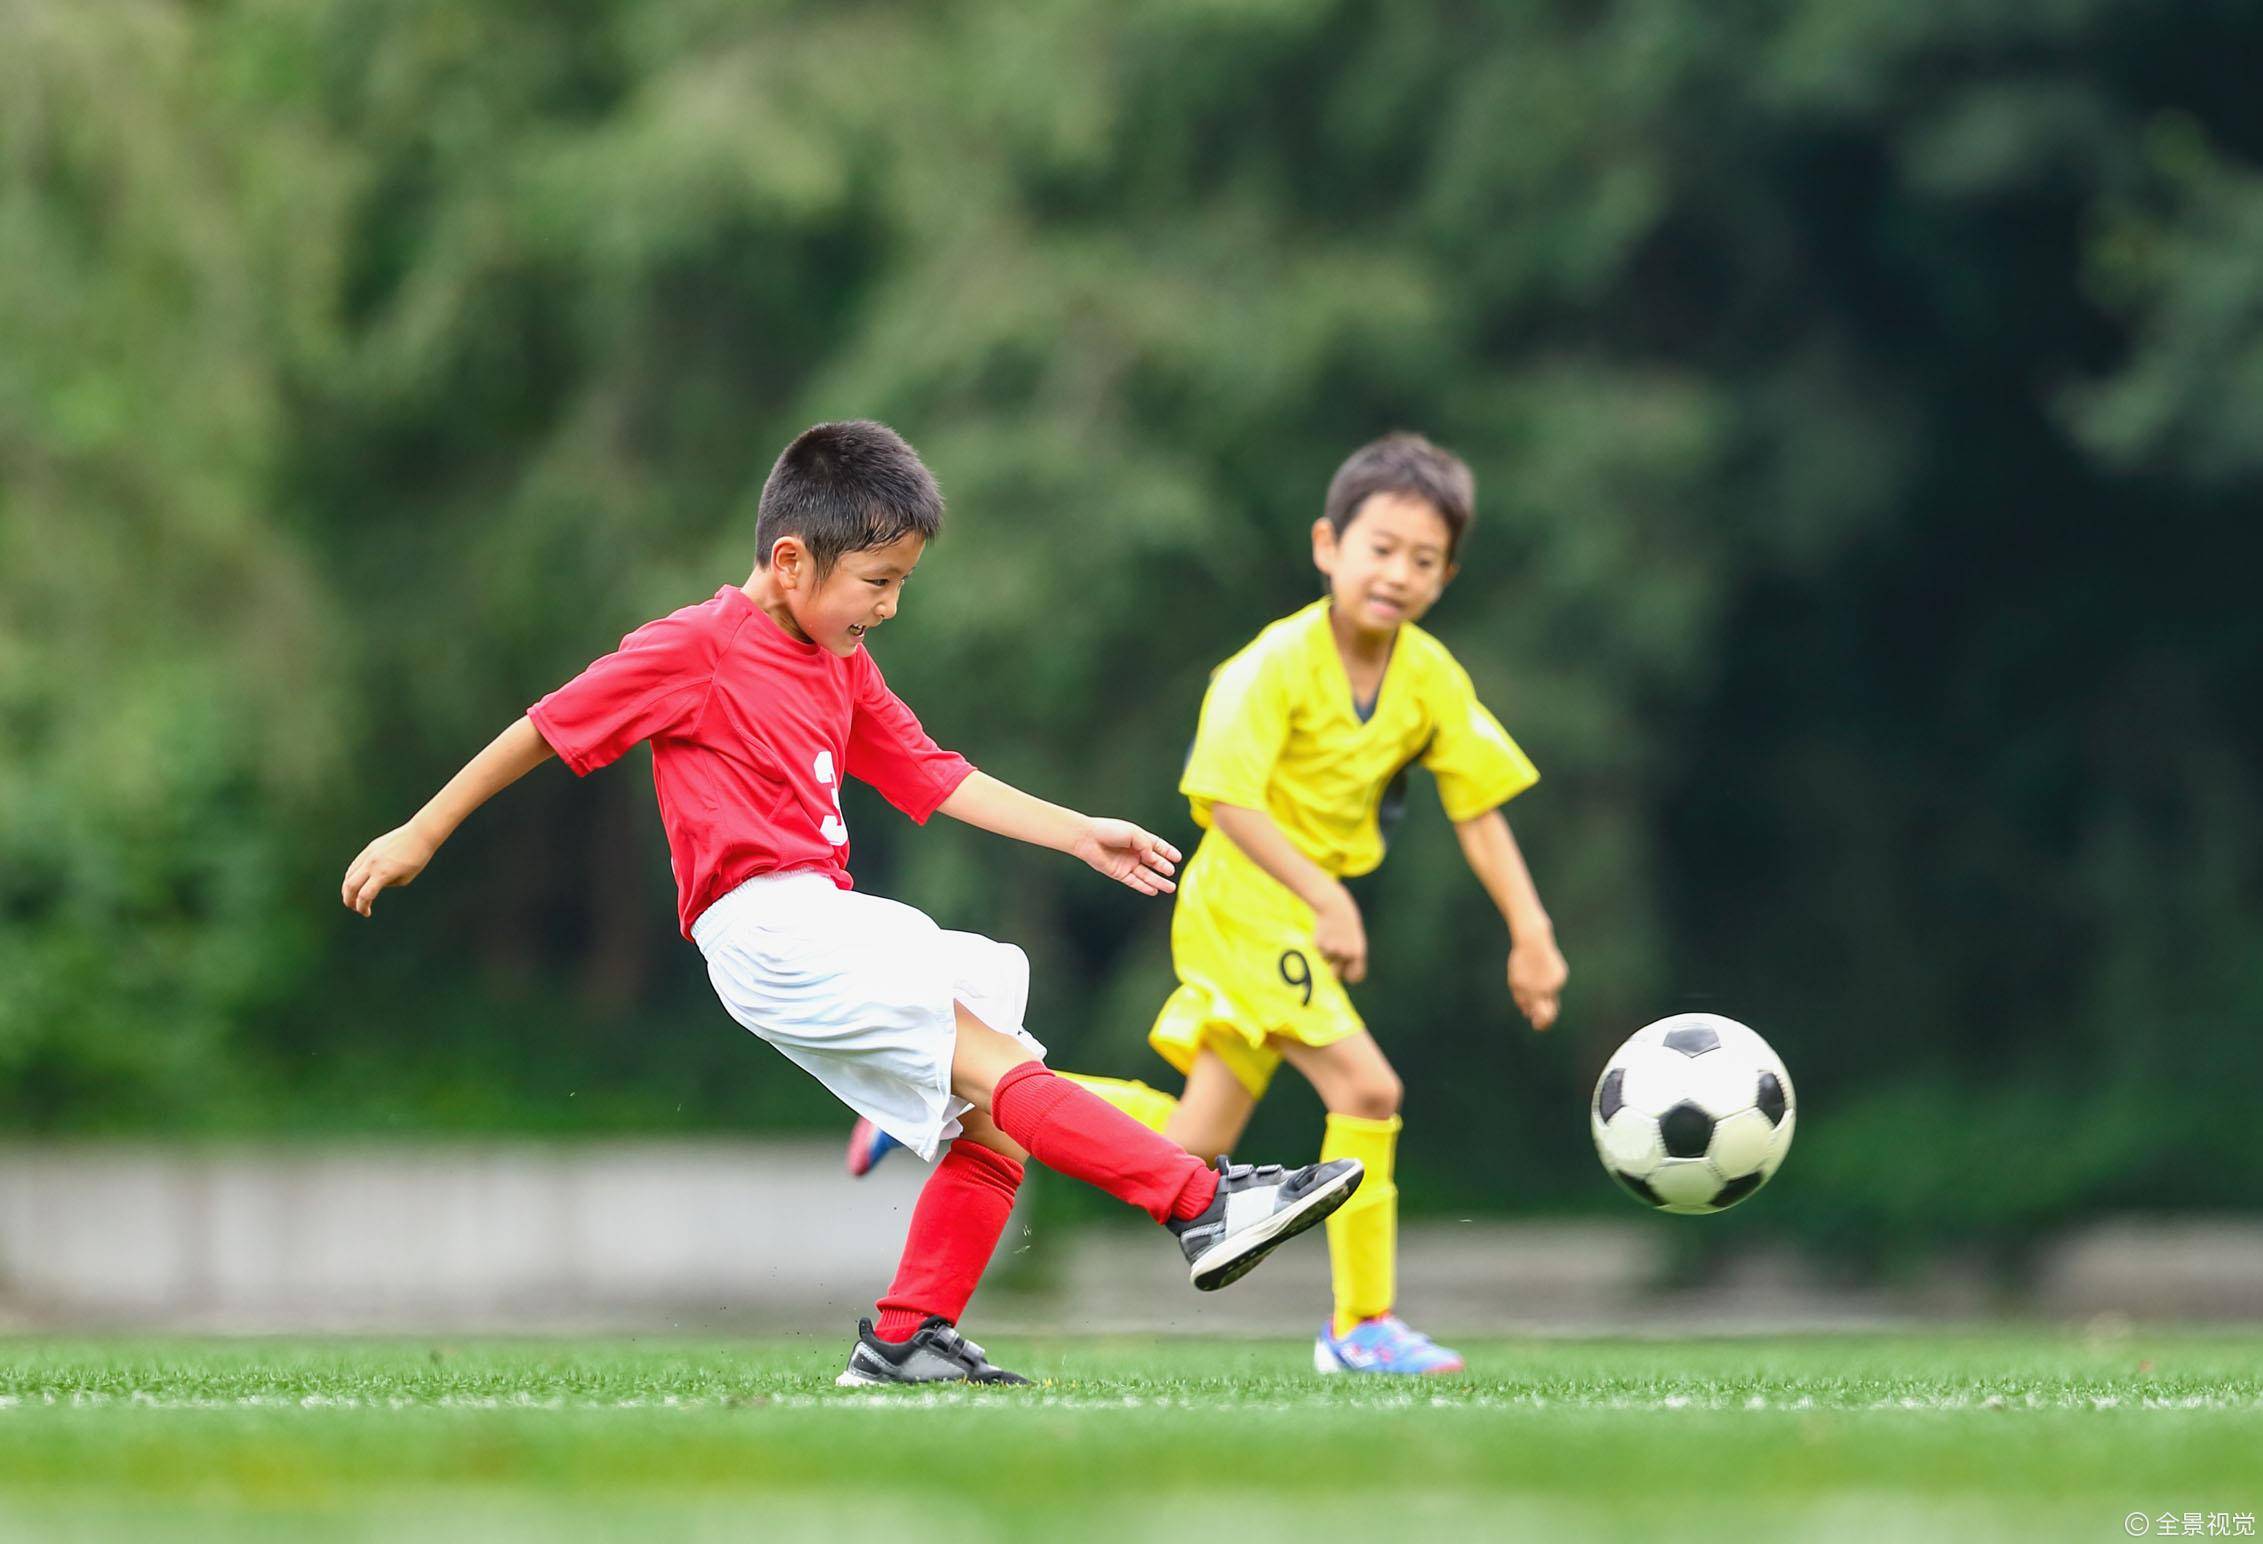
point(1375, 1096)
point(982, 1056)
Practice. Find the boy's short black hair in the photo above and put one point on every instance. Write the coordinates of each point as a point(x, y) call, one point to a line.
point(1405, 464)
point(846, 487)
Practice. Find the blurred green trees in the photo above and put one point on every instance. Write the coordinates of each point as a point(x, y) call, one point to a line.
point(1861, 397)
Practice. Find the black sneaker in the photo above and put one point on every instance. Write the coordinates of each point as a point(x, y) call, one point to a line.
point(1258, 1210)
point(936, 1353)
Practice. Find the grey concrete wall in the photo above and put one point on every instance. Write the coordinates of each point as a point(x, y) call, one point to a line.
point(362, 1235)
point(748, 1236)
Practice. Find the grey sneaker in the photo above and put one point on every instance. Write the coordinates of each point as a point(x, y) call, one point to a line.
point(936, 1353)
point(1258, 1210)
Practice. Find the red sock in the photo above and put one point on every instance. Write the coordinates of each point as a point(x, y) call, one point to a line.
point(962, 1209)
point(1077, 1133)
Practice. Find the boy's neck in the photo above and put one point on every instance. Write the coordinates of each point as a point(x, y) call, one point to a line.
point(1356, 644)
point(764, 593)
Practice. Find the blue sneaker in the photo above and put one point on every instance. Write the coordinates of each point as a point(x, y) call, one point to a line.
point(868, 1144)
point(1383, 1344)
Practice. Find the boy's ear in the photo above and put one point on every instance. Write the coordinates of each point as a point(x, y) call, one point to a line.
point(789, 560)
point(1323, 546)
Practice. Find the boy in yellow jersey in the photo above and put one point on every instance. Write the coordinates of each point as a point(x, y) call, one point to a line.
point(1298, 763)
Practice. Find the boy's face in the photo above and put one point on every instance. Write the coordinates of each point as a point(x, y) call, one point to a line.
point(1391, 563)
point(859, 594)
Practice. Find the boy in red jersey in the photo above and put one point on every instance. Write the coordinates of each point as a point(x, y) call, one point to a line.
point(756, 704)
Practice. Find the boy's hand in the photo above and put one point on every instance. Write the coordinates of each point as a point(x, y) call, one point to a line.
point(1129, 855)
point(1537, 973)
point(1340, 936)
point(393, 859)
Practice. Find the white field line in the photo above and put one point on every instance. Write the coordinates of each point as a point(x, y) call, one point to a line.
point(930, 1399)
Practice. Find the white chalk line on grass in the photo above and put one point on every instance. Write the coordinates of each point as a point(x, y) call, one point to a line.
point(961, 1399)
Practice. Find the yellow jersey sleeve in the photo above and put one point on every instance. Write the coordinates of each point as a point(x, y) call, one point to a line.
point(1477, 765)
point(1244, 724)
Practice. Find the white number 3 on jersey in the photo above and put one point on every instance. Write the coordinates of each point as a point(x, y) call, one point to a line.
point(835, 829)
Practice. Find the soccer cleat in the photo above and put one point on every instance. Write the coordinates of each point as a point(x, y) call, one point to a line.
point(868, 1144)
point(1383, 1344)
point(936, 1353)
point(1256, 1211)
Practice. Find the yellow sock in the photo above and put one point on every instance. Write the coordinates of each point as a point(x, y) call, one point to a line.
point(1363, 1236)
point(1151, 1107)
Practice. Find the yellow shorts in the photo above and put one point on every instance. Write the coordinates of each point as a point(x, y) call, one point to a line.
point(1248, 973)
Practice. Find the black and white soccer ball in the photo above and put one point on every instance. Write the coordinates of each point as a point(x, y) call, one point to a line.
point(1693, 1113)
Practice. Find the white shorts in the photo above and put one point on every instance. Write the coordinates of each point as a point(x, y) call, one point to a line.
point(858, 989)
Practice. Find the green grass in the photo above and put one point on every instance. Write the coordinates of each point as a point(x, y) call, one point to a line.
point(1963, 1436)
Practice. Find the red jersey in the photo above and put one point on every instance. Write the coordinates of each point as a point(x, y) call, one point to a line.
point(751, 731)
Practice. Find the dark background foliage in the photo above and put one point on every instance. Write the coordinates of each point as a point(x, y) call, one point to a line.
point(1863, 403)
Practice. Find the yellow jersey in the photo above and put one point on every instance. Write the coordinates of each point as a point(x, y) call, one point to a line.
point(1280, 732)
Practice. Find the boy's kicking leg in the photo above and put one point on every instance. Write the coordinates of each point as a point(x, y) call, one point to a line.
point(1361, 1092)
point(1151, 1107)
point(1226, 1219)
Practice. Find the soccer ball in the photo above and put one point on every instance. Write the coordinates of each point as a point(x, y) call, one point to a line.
point(1693, 1113)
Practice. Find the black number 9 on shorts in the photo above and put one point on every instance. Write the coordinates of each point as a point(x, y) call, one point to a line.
point(1296, 970)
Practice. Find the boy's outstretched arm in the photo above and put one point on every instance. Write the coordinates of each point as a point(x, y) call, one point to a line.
point(1117, 848)
point(1337, 931)
point(401, 853)
point(1537, 971)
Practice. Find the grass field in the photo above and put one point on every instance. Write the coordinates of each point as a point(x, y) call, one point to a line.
point(1957, 1436)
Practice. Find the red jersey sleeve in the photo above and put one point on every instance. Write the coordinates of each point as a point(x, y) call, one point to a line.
point(654, 684)
point(889, 750)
